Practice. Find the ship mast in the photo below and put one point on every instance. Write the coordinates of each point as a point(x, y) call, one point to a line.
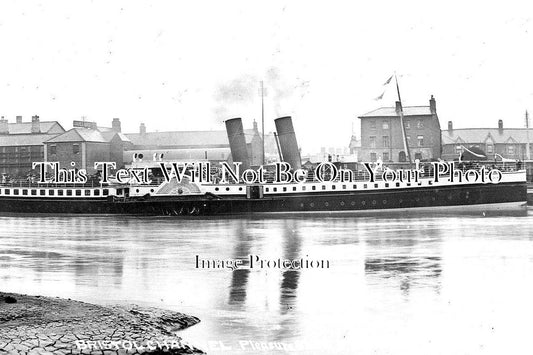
point(262, 93)
point(404, 135)
point(528, 153)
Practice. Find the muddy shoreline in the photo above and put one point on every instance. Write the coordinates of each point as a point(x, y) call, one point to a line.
point(45, 325)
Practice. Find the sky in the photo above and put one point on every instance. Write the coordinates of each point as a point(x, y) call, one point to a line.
point(189, 65)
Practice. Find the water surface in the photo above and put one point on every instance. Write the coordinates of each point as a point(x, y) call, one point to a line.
point(395, 284)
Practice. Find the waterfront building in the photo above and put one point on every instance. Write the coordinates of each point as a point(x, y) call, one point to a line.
point(497, 142)
point(85, 144)
point(21, 143)
point(382, 137)
point(191, 145)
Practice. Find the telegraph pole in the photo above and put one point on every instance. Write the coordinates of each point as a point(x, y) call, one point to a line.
point(528, 153)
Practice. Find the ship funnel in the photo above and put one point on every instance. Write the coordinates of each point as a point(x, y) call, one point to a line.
point(237, 142)
point(287, 141)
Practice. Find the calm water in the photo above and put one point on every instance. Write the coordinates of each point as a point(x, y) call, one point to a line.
point(425, 285)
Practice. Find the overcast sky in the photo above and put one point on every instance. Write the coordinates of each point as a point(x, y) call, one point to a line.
point(188, 65)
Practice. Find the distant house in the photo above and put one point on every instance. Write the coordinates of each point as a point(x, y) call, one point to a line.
point(21, 144)
point(509, 143)
point(85, 144)
point(382, 137)
point(191, 145)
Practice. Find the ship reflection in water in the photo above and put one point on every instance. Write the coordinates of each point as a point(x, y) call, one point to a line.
point(395, 284)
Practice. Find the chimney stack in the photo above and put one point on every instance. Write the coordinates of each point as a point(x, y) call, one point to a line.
point(500, 126)
point(35, 124)
point(450, 126)
point(115, 125)
point(19, 119)
point(255, 126)
point(4, 126)
point(142, 129)
point(398, 107)
point(432, 105)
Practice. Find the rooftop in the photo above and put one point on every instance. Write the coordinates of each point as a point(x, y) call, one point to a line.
point(391, 112)
point(481, 135)
point(25, 127)
point(185, 139)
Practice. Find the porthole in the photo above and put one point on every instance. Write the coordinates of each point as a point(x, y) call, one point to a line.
point(342, 203)
point(227, 188)
point(376, 186)
point(137, 190)
point(397, 184)
point(301, 204)
point(333, 187)
point(151, 190)
point(363, 203)
point(312, 204)
point(417, 199)
point(240, 188)
point(326, 204)
point(384, 202)
point(216, 188)
point(352, 203)
point(374, 202)
point(450, 197)
point(400, 201)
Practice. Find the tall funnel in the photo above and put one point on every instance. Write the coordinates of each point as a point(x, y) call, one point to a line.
point(237, 142)
point(287, 141)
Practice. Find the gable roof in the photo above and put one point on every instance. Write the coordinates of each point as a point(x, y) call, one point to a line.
point(480, 135)
point(79, 134)
point(25, 127)
point(109, 135)
point(8, 140)
point(391, 112)
point(185, 139)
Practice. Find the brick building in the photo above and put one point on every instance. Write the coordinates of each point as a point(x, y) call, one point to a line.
point(21, 144)
point(509, 143)
point(86, 144)
point(382, 138)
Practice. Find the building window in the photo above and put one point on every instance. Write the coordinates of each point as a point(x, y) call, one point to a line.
point(420, 141)
point(458, 149)
point(373, 124)
point(53, 149)
point(490, 148)
point(385, 156)
point(386, 141)
point(420, 124)
point(385, 125)
point(418, 156)
point(407, 124)
point(408, 138)
point(372, 142)
point(510, 150)
point(75, 148)
point(373, 157)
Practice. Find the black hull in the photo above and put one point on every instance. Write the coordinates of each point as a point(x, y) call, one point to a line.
point(448, 196)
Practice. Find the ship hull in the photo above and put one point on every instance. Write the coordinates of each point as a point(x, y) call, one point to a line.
point(454, 196)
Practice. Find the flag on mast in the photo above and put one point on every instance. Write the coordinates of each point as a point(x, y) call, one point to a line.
point(384, 84)
point(380, 96)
